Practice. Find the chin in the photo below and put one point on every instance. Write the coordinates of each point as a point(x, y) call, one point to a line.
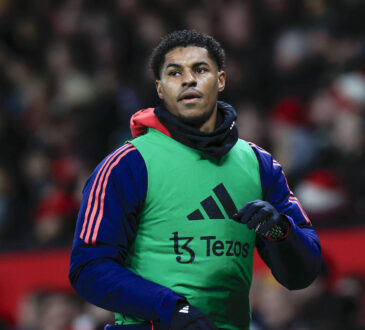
point(194, 119)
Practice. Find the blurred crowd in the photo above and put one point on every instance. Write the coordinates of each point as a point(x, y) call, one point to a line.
point(72, 72)
point(326, 304)
point(58, 310)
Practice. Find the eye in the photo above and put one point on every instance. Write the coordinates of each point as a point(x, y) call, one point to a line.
point(174, 73)
point(201, 70)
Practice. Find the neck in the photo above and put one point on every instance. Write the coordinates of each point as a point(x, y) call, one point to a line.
point(210, 124)
point(215, 137)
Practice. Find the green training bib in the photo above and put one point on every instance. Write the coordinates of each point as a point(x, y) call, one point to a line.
point(186, 239)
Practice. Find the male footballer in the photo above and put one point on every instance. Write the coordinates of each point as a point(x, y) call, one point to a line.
point(169, 221)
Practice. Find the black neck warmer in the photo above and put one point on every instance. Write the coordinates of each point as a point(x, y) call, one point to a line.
point(215, 144)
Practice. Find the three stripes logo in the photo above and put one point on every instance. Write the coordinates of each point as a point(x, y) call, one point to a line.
point(212, 209)
point(184, 310)
point(213, 206)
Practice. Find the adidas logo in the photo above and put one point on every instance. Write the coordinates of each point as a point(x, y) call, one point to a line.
point(185, 309)
point(211, 207)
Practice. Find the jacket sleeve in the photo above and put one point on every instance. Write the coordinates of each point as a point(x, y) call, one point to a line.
point(294, 261)
point(106, 227)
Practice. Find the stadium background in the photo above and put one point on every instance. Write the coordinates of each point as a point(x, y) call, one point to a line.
point(72, 72)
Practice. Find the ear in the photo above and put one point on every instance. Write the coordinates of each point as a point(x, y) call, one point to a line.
point(221, 80)
point(159, 89)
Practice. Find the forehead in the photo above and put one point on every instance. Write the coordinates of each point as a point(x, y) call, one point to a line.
point(186, 56)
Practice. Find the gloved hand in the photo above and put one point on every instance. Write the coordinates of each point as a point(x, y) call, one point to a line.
point(264, 219)
point(190, 318)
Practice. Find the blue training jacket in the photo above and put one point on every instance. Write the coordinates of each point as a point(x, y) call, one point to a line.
point(114, 196)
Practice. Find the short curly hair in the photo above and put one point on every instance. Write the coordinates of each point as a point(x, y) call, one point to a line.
point(185, 38)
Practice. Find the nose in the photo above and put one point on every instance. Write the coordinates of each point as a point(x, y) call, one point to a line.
point(189, 79)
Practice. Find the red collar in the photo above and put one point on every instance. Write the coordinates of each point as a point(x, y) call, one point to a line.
point(144, 119)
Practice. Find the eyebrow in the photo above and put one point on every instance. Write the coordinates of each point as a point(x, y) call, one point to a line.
point(179, 66)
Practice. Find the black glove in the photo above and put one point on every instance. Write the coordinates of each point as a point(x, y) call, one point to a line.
point(264, 219)
point(190, 318)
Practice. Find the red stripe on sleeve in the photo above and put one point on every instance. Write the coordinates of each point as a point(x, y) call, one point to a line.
point(102, 198)
point(100, 173)
point(293, 199)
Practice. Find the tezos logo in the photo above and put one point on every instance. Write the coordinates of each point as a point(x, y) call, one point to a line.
point(213, 247)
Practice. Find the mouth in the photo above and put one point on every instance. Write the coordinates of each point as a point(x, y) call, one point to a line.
point(190, 96)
